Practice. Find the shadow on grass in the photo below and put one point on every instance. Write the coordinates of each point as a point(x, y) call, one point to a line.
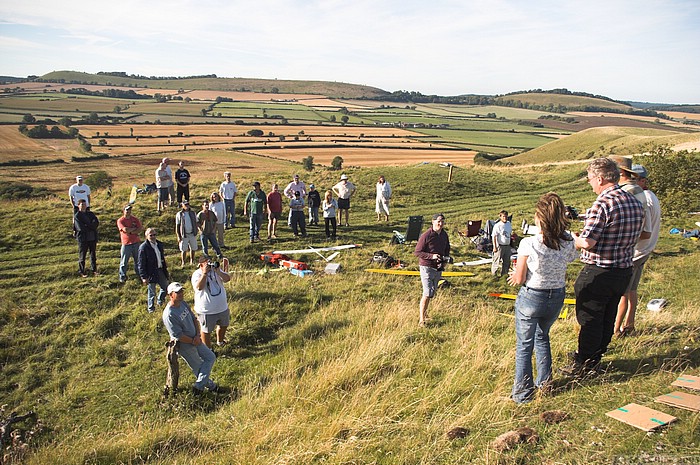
point(620, 370)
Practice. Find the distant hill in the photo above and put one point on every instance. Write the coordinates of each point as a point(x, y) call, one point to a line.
point(329, 89)
point(566, 102)
point(601, 141)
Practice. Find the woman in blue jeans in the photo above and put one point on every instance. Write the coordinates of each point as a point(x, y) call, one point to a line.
point(541, 269)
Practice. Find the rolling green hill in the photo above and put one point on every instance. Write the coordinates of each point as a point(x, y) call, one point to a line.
point(571, 102)
point(602, 141)
point(326, 88)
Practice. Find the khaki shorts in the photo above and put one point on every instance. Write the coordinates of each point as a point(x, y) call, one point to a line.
point(188, 243)
point(208, 322)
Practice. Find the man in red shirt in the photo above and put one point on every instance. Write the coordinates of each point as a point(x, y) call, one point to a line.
point(129, 229)
point(274, 211)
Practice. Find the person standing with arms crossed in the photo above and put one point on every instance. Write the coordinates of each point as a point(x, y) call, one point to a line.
point(274, 211)
point(129, 229)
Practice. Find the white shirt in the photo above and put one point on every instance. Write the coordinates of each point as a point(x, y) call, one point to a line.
point(344, 189)
point(502, 231)
point(383, 190)
point(219, 209)
point(652, 221)
point(157, 250)
point(227, 190)
point(293, 187)
point(77, 192)
point(212, 299)
point(546, 268)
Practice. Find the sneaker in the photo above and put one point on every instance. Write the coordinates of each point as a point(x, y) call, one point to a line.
point(83, 275)
point(215, 388)
point(151, 310)
point(122, 280)
point(221, 343)
point(197, 392)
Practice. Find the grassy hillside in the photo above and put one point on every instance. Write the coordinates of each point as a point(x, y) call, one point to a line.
point(330, 89)
point(569, 101)
point(602, 141)
point(327, 369)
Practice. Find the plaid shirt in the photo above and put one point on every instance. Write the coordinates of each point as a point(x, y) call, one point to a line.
point(614, 222)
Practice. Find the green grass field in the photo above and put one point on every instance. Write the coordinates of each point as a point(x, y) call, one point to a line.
point(330, 368)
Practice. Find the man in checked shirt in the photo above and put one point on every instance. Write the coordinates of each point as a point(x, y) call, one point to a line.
point(610, 232)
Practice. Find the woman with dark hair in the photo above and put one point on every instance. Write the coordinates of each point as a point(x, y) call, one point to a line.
point(541, 269)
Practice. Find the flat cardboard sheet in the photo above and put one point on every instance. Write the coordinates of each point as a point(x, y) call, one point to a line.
point(687, 381)
point(680, 400)
point(641, 417)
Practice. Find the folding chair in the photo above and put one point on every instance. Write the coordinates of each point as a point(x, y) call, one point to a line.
point(472, 231)
point(413, 230)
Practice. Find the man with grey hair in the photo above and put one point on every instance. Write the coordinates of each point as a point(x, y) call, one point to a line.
point(626, 310)
point(607, 241)
point(153, 269)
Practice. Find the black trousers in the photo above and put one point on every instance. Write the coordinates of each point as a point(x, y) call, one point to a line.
point(331, 222)
point(83, 248)
point(183, 192)
point(598, 291)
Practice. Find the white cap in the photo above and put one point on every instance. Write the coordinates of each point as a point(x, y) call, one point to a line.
point(174, 287)
point(343, 177)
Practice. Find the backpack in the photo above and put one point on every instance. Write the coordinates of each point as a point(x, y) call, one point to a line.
point(382, 258)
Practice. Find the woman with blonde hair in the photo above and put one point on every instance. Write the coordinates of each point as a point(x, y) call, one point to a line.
point(330, 206)
point(217, 205)
point(541, 269)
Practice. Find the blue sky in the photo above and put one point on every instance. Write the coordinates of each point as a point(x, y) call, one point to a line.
point(641, 50)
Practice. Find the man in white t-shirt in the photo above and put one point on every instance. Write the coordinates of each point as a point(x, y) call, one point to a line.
point(344, 190)
point(78, 191)
point(501, 245)
point(228, 191)
point(210, 300)
point(651, 226)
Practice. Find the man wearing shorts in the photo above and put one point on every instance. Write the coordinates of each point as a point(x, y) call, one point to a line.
point(274, 211)
point(164, 181)
point(344, 190)
point(186, 232)
point(210, 301)
point(432, 250)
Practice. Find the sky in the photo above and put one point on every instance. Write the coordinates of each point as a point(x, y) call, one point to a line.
point(631, 50)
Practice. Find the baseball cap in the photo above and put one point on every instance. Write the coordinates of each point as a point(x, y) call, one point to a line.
point(438, 215)
point(311, 186)
point(78, 177)
point(640, 171)
point(343, 176)
point(174, 287)
point(127, 207)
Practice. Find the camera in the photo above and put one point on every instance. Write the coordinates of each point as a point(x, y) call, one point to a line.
point(213, 264)
point(447, 259)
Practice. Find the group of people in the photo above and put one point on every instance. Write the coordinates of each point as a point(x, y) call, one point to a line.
point(619, 232)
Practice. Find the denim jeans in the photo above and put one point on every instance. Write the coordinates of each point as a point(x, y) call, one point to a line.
point(201, 360)
point(163, 283)
point(230, 218)
point(129, 251)
point(209, 238)
point(256, 220)
point(298, 222)
point(535, 313)
point(313, 215)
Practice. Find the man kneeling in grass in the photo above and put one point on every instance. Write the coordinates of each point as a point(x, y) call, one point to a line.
point(183, 326)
